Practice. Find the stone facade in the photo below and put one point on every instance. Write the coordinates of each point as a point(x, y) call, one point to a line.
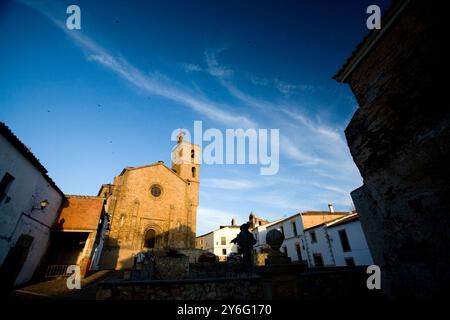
point(400, 140)
point(153, 207)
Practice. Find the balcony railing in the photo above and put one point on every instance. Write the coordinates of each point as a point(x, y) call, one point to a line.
point(57, 270)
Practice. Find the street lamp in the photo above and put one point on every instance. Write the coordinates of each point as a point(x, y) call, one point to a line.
point(43, 204)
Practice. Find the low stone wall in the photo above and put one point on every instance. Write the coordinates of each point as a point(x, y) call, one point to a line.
point(193, 254)
point(214, 269)
point(172, 267)
point(277, 282)
point(336, 283)
point(197, 289)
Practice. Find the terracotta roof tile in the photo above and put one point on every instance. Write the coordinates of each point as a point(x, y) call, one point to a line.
point(80, 213)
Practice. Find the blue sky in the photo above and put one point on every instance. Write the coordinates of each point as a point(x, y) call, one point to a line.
point(90, 102)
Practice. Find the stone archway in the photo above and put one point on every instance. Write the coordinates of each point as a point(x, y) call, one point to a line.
point(150, 239)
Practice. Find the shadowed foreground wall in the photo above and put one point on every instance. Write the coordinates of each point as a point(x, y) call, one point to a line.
point(400, 140)
point(332, 284)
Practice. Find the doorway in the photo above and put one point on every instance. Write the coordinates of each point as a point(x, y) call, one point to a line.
point(150, 239)
point(14, 261)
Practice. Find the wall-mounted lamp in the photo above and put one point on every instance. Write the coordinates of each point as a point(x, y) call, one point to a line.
point(43, 204)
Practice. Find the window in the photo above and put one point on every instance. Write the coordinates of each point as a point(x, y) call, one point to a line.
point(223, 241)
point(349, 262)
point(318, 260)
point(4, 185)
point(155, 190)
point(224, 252)
point(194, 172)
point(192, 154)
point(344, 241)
point(312, 234)
point(294, 229)
point(299, 251)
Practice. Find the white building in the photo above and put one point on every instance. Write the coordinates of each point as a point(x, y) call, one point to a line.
point(292, 228)
point(295, 244)
point(219, 241)
point(29, 205)
point(340, 242)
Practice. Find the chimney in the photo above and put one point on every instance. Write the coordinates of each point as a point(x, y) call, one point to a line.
point(233, 222)
point(330, 207)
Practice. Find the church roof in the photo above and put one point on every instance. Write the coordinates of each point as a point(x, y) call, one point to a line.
point(159, 163)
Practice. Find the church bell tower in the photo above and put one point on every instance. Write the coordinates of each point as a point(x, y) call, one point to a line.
point(186, 159)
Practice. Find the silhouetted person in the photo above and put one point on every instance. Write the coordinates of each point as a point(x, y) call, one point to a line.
point(245, 241)
point(145, 262)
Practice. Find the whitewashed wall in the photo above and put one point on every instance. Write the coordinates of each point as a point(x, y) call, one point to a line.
point(229, 234)
point(359, 250)
point(290, 239)
point(26, 191)
point(322, 246)
point(331, 248)
point(212, 241)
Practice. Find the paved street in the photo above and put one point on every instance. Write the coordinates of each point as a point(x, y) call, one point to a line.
point(57, 288)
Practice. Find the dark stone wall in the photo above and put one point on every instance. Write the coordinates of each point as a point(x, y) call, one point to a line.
point(400, 140)
point(200, 289)
point(319, 284)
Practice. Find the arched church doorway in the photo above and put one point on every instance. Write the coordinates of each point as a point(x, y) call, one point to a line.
point(150, 239)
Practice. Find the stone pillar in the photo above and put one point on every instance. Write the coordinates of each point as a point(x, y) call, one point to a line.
point(280, 276)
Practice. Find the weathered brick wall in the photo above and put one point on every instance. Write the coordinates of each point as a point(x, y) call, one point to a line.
point(400, 141)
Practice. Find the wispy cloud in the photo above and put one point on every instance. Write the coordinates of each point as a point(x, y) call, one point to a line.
point(190, 67)
point(214, 68)
point(230, 184)
point(152, 85)
point(287, 145)
point(288, 89)
point(167, 90)
point(290, 148)
point(258, 81)
point(305, 140)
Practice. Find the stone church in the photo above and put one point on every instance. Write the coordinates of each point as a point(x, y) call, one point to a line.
point(152, 207)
